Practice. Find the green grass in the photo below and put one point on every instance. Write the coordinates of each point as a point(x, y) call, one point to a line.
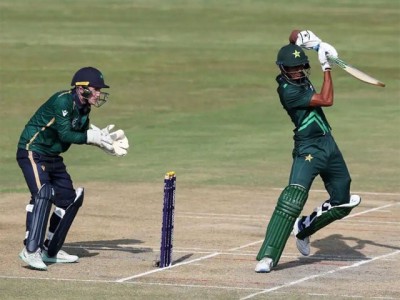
point(193, 85)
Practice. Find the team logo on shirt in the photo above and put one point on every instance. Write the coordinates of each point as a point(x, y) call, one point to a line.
point(43, 168)
point(64, 112)
point(309, 157)
point(74, 122)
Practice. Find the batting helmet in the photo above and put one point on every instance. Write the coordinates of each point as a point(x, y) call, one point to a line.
point(291, 55)
point(293, 63)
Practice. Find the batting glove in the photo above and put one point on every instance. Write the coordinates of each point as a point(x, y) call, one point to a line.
point(324, 52)
point(308, 40)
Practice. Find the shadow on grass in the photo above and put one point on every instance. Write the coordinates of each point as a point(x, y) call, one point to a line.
point(334, 248)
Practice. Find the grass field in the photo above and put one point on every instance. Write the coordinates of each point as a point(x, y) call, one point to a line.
point(193, 86)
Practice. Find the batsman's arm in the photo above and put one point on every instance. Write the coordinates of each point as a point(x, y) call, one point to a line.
point(325, 97)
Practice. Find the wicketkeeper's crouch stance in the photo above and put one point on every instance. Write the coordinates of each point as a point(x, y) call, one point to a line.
point(315, 153)
point(61, 121)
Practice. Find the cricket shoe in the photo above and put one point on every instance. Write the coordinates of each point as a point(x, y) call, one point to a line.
point(265, 265)
point(354, 201)
point(302, 245)
point(34, 260)
point(61, 257)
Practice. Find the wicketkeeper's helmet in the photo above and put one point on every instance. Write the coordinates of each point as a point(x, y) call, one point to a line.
point(89, 76)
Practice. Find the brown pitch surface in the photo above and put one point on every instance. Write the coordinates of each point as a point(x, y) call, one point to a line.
point(218, 232)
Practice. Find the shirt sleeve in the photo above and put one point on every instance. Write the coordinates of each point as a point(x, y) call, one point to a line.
point(63, 107)
point(297, 97)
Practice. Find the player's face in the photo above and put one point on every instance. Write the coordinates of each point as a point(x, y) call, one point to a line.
point(94, 96)
point(296, 72)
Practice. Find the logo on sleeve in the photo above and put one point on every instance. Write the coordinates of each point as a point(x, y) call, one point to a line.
point(64, 112)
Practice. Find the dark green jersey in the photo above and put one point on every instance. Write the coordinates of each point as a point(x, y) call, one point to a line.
point(309, 122)
point(57, 124)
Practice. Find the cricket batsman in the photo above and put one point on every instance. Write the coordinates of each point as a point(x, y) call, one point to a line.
point(61, 121)
point(315, 152)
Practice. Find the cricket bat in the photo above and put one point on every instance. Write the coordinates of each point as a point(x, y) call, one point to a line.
point(355, 72)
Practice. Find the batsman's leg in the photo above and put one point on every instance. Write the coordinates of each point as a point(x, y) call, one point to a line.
point(288, 208)
point(67, 216)
point(337, 182)
point(324, 215)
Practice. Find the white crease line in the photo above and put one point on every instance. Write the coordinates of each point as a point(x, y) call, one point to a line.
point(245, 246)
point(233, 252)
point(167, 268)
point(135, 283)
point(194, 285)
point(369, 210)
point(357, 264)
point(57, 279)
point(353, 192)
point(194, 216)
point(215, 214)
point(373, 223)
point(245, 217)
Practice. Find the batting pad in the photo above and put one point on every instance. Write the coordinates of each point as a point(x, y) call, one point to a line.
point(288, 208)
point(324, 219)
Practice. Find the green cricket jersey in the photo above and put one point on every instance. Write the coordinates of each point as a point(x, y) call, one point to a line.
point(310, 122)
point(57, 124)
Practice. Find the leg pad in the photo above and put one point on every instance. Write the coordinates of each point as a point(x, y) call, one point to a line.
point(326, 214)
point(65, 223)
point(289, 206)
point(40, 216)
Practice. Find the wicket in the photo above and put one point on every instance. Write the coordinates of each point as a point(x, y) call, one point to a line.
point(168, 220)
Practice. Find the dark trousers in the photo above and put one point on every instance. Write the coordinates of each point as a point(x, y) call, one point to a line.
point(39, 169)
point(321, 156)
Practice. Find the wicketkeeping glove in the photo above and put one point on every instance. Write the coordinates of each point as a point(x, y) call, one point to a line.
point(121, 146)
point(120, 143)
point(108, 129)
point(96, 137)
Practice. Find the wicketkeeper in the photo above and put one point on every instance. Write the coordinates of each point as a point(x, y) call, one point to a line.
point(315, 153)
point(61, 121)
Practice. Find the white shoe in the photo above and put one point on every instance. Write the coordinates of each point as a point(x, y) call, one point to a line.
point(61, 257)
point(265, 265)
point(302, 245)
point(33, 259)
point(353, 202)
